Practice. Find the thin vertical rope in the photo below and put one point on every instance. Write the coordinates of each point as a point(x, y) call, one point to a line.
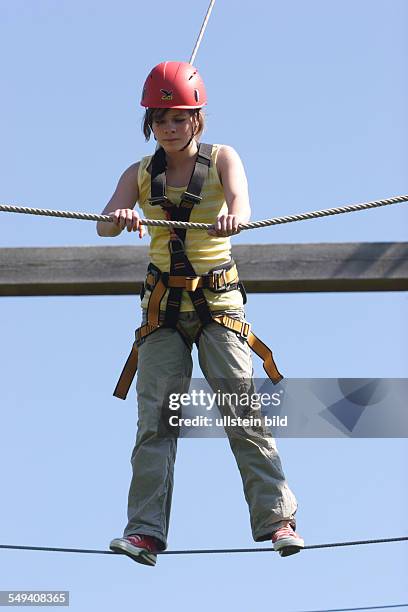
point(201, 34)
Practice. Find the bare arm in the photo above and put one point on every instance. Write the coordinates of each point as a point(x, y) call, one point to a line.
point(120, 206)
point(234, 181)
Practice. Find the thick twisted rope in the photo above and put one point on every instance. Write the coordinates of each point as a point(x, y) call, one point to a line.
point(205, 226)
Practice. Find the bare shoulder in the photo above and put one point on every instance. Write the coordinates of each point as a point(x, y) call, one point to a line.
point(128, 185)
point(227, 157)
point(229, 164)
point(127, 188)
point(127, 191)
point(227, 154)
point(130, 174)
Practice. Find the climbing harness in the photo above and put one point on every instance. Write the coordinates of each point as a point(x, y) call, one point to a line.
point(182, 276)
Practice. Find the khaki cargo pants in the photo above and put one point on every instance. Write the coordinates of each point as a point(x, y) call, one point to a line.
point(223, 356)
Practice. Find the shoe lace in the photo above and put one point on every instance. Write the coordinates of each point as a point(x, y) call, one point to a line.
point(284, 531)
point(148, 541)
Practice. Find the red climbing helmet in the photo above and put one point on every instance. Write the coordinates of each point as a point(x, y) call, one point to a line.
point(174, 85)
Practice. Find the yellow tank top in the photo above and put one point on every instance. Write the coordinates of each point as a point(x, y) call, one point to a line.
point(203, 251)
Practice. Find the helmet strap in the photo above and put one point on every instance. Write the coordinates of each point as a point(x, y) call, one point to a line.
point(193, 132)
point(189, 142)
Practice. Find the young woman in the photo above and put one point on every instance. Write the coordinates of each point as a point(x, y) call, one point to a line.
point(191, 294)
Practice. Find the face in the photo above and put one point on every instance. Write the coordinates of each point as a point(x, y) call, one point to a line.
point(174, 129)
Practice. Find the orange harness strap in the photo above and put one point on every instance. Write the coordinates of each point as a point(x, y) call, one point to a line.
point(244, 329)
point(190, 283)
point(128, 374)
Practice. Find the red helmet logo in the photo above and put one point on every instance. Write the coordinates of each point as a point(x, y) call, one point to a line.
point(167, 95)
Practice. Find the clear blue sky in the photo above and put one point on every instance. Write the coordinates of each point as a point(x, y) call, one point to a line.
point(313, 95)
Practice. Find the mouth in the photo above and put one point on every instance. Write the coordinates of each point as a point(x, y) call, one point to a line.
point(170, 139)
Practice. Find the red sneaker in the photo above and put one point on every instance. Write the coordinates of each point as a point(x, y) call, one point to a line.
point(140, 548)
point(287, 541)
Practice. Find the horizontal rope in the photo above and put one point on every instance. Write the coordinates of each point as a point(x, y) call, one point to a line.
point(205, 226)
point(203, 551)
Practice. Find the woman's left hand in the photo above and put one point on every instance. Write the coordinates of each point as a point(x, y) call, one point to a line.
point(226, 225)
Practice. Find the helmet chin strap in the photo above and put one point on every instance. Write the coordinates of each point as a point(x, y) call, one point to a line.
point(193, 132)
point(189, 142)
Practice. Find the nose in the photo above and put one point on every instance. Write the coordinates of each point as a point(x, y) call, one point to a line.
point(170, 127)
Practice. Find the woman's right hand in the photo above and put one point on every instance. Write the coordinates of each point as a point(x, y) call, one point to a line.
point(129, 218)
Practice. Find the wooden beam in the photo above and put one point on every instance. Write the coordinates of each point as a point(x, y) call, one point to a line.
point(264, 268)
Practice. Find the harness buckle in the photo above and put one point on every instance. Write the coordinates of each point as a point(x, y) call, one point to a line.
point(173, 246)
point(190, 198)
point(245, 330)
point(219, 280)
point(160, 201)
point(192, 282)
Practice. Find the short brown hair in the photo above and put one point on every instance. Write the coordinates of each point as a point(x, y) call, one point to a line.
point(158, 113)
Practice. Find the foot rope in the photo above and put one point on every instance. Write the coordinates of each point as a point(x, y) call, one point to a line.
point(204, 551)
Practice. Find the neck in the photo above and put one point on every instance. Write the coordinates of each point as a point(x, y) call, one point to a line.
point(177, 158)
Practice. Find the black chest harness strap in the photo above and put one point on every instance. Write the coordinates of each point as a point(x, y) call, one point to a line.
point(182, 276)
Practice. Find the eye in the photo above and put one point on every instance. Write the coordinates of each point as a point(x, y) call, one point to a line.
point(180, 120)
